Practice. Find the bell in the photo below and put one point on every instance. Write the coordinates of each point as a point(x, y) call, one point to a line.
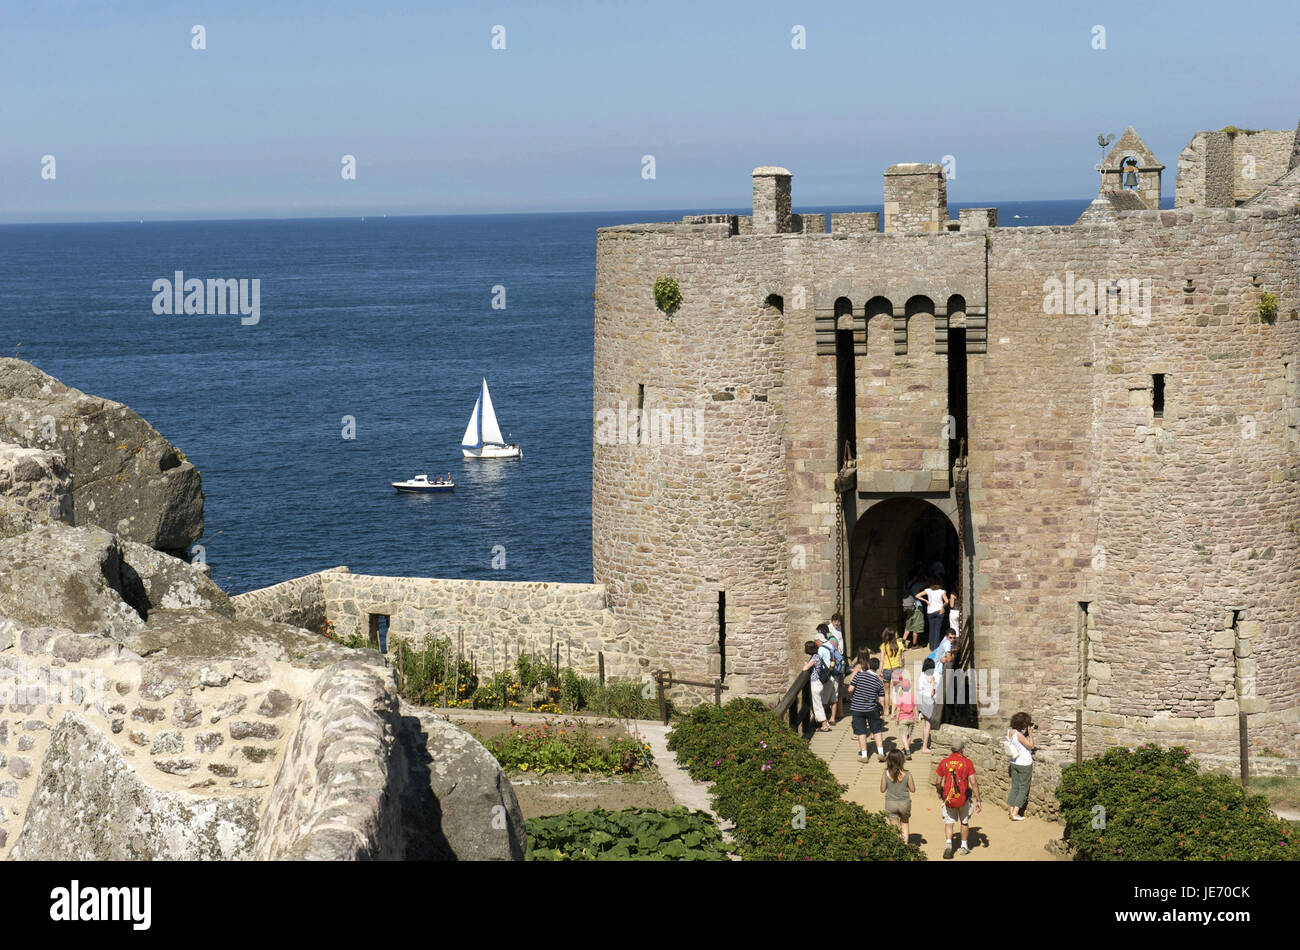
point(1130, 178)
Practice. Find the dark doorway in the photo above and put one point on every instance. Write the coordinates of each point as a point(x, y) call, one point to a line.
point(379, 632)
point(891, 540)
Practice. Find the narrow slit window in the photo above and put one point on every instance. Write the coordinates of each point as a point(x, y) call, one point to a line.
point(1158, 395)
point(722, 634)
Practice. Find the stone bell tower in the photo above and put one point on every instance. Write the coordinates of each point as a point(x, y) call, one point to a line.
point(1130, 167)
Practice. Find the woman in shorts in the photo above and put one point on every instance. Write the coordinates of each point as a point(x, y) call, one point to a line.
point(897, 785)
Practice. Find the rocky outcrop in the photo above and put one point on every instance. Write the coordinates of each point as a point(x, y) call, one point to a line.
point(91, 805)
point(35, 486)
point(126, 477)
point(457, 802)
point(58, 576)
point(154, 720)
point(89, 581)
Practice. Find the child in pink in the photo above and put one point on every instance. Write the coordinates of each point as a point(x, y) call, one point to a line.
point(905, 712)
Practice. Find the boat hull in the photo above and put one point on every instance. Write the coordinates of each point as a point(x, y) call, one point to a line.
point(417, 487)
point(493, 452)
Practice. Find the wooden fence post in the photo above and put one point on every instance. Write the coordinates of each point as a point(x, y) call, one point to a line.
point(1244, 743)
point(663, 700)
point(600, 660)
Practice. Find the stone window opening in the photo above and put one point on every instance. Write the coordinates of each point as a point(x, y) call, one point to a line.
point(722, 634)
point(1158, 395)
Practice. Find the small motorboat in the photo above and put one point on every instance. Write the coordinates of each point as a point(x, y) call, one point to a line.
point(420, 484)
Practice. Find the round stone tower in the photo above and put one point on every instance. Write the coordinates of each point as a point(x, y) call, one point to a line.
point(688, 483)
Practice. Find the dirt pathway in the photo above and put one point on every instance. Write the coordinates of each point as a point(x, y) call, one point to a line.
point(993, 836)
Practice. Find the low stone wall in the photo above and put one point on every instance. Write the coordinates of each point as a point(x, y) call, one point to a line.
point(300, 602)
point(993, 772)
point(365, 778)
point(331, 799)
point(492, 621)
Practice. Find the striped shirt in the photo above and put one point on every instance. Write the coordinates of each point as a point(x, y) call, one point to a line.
point(867, 692)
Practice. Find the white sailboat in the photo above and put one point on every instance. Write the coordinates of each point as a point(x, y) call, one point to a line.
point(483, 436)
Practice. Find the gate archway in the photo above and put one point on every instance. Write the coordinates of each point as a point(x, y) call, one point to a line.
point(892, 539)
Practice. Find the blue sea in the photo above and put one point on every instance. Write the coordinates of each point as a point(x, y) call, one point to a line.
point(386, 320)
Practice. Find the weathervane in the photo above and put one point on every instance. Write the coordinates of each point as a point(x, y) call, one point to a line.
point(1104, 140)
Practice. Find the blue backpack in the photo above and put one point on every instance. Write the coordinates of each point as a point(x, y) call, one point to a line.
point(839, 666)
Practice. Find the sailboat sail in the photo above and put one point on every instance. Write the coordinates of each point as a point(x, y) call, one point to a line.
point(471, 439)
point(491, 432)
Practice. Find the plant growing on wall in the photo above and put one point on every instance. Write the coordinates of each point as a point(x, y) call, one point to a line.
point(1268, 307)
point(668, 296)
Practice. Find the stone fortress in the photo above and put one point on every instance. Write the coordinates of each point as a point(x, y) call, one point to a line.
point(1100, 422)
point(1096, 427)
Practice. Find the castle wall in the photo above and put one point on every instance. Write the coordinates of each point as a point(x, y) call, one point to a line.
point(1258, 158)
point(1077, 496)
point(491, 621)
point(1221, 169)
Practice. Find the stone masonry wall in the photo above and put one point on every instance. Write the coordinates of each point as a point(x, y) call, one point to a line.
point(299, 601)
point(1259, 157)
point(492, 621)
point(216, 729)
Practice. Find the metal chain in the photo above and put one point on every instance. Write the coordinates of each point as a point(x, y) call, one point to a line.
point(839, 551)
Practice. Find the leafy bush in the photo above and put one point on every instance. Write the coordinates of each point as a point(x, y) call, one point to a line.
point(634, 834)
point(1157, 806)
point(668, 296)
point(548, 748)
point(783, 799)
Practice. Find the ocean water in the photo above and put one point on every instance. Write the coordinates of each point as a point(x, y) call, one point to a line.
point(386, 320)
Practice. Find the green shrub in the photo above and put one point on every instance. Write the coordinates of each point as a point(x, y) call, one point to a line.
point(1156, 806)
point(668, 296)
point(634, 834)
point(1268, 307)
point(549, 748)
point(782, 798)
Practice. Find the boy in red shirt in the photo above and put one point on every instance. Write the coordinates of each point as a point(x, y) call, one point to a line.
point(955, 781)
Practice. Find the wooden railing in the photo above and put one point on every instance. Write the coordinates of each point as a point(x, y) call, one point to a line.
point(797, 701)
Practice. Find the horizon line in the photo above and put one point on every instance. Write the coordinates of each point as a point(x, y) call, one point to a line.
point(695, 209)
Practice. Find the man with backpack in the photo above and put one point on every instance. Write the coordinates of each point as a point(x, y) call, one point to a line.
point(956, 783)
point(838, 667)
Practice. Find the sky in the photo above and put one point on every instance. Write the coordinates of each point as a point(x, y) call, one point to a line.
point(142, 125)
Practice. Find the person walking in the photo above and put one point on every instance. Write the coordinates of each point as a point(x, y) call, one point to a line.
point(835, 639)
point(905, 711)
point(925, 690)
point(866, 692)
point(833, 659)
point(1020, 740)
point(817, 683)
point(935, 599)
point(897, 785)
point(959, 791)
point(891, 664)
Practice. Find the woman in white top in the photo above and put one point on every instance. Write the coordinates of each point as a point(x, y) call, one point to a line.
point(936, 602)
point(1020, 738)
point(925, 689)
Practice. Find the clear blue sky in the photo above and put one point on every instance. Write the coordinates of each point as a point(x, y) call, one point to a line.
point(141, 125)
